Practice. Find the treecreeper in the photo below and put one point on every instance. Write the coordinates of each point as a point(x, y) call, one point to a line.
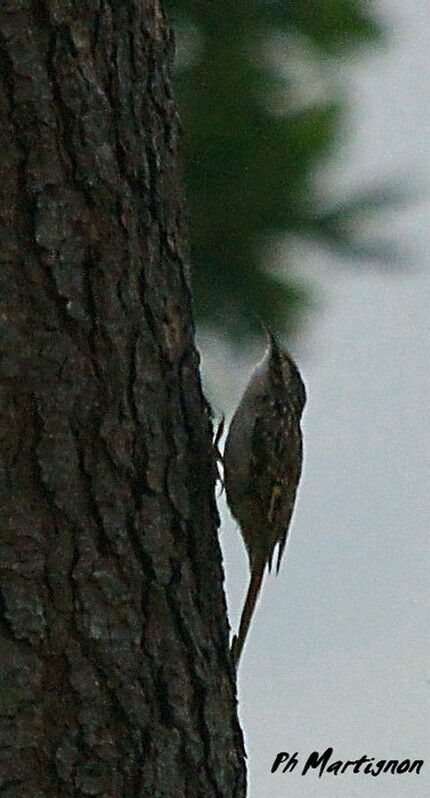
point(262, 466)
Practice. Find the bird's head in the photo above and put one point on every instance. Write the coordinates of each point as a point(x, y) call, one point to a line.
point(283, 367)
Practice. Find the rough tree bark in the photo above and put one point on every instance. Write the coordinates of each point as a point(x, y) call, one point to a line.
point(115, 674)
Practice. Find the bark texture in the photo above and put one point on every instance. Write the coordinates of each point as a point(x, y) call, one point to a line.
point(115, 674)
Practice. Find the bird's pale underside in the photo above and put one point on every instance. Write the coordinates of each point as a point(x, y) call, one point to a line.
point(262, 466)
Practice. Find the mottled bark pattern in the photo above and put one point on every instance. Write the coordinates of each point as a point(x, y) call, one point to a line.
point(115, 678)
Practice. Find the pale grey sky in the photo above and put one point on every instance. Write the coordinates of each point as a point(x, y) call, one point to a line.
point(338, 651)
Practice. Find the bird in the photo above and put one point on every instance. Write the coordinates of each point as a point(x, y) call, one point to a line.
point(262, 462)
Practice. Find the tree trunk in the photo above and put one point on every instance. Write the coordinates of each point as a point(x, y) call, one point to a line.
point(115, 673)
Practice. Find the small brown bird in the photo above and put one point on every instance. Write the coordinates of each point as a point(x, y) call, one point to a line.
point(262, 466)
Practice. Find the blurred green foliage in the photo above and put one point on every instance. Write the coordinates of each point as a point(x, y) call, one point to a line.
point(260, 113)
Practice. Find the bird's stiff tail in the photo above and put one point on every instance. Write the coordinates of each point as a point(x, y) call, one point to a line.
point(248, 610)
